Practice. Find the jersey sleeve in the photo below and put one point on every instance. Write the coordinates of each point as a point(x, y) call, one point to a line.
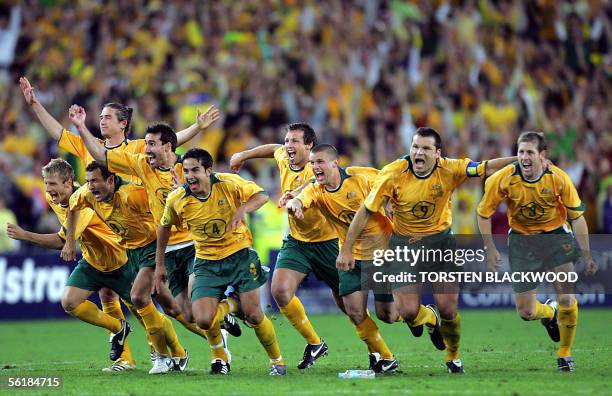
point(248, 189)
point(78, 200)
point(492, 197)
point(85, 217)
point(368, 173)
point(382, 188)
point(465, 168)
point(569, 196)
point(170, 216)
point(73, 144)
point(280, 154)
point(308, 196)
point(121, 161)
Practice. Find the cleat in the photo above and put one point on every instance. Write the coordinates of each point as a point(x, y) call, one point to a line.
point(455, 366)
point(566, 364)
point(179, 364)
point(227, 351)
point(119, 365)
point(118, 340)
point(218, 366)
point(386, 366)
point(551, 325)
point(434, 332)
point(416, 331)
point(374, 357)
point(311, 354)
point(162, 365)
point(278, 369)
point(153, 356)
point(232, 326)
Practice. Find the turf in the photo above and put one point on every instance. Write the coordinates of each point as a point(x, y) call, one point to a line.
point(502, 354)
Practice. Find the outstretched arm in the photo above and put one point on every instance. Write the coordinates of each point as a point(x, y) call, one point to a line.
point(263, 151)
point(203, 121)
point(77, 116)
point(496, 164)
point(50, 241)
point(51, 124)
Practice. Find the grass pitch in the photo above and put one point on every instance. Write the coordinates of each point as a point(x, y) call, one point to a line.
point(502, 354)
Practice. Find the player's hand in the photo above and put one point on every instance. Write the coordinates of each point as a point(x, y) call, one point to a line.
point(547, 163)
point(288, 196)
point(207, 119)
point(28, 91)
point(236, 162)
point(77, 115)
point(176, 180)
point(68, 252)
point(15, 232)
point(294, 206)
point(590, 266)
point(160, 277)
point(239, 218)
point(493, 260)
point(345, 261)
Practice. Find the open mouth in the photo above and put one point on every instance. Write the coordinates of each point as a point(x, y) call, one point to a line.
point(527, 165)
point(291, 154)
point(96, 194)
point(54, 196)
point(419, 161)
point(319, 175)
point(192, 183)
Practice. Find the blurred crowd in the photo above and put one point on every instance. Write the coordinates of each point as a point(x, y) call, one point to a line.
point(364, 73)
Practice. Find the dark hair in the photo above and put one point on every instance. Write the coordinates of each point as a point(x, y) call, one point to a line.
point(325, 148)
point(124, 113)
point(103, 169)
point(200, 155)
point(531, 136)
point(167, 134)
point(309, 134)
point(59, 167)
point(430, 132)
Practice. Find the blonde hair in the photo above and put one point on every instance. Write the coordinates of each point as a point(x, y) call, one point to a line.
point(59, 167)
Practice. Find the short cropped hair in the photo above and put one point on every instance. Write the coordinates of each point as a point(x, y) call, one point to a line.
point(325, 148)
point(103, 169)
point(430, 132)
point(532, 136)
point(167, 134)
point(59, 167)
point(200, 155)
point(309, 134)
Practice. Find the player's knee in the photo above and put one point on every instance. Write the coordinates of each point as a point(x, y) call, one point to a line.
point(526, 313)
point(282, 294)
point(408, 313)
point(205, 322)
point(69, 304)
point(140, 300)
point(254, 317)
point(357, 315)
point(566, 300)
point(447, 313)
point(107, 295)
point(386, 316)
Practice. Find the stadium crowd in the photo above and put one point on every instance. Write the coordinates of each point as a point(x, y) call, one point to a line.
point(364, 74)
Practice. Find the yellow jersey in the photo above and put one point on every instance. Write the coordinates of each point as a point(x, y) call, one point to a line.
point(208, 219)
point(157, 182)
point(340, 205)
point(126, 212)
point(74, 145)
point(536, 206)
point(313, 227)
point(422, 203)
point(99, 244)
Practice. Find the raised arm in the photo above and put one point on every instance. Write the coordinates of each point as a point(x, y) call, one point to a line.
point(77, 116)
point(50, 241)
point(263, 151)
point(496, 164)
point(51, 124)
point(203, 121)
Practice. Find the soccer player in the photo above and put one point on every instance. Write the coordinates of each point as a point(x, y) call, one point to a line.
point(542, 203)
point(338, 194)
point(103, 263)
point(123, 207)
point(214, 206)
point(114, 124)
point(311, 246)
point(157, 169)
point(419, 186)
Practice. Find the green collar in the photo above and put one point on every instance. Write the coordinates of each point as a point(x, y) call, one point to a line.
point(407, 158)
point(213, 179)
point(517, 171)
point(343, 176)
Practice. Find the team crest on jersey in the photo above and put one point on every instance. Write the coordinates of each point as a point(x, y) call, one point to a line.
point(253, 271)
point(297, 182)
point(351, 195)
point(546, 190)
point(436, 191)
point(221, 202)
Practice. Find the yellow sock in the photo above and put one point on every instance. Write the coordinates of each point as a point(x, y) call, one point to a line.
point(424, 316)
point(89, 312)
point(190, 326)
point(154, 324)
point(567, 320)
point(267, 337)
point(114, 309)
point(295, 313)
point(543, 311)
point(175, 347)
point(213, 334)
point(135, 313)
point(368, 332)
point(451, 332)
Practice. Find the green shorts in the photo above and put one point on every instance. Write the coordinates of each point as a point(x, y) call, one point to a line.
point(540, 253)
point(86, 277)
point(352, 281)
point(179, 265)
point(143, 257)
point(242, 270)
point(306, 257)
point(431, 251)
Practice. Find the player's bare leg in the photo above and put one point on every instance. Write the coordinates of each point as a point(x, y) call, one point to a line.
point(408, 302)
